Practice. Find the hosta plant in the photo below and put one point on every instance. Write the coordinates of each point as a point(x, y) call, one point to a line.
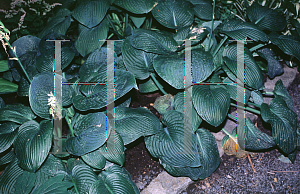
point(150, 53)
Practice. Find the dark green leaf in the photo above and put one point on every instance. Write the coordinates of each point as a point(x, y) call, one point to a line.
point(239, 30)
point(252, 74)
point(7, 158)
point(171, 67)
point(33, 144)
point(173, 13)
point(7, 86)
point(113, 149)
point(254, 139)
point(138, 62)
point(17, 113)
point(211, 103)
point(95, 96)
point(137, 7)
point(54, 185)
point(4, 65)
point(266, 18)
point(9, 176)
point(59, 23)
point(40, 90)
point(288, 44)
point(90, 39)
point(134, 123)
point(203, 9)
point(274, 67)
point(84, 177)
point(153, 42)
point(91, 134)
point(284, 123)
point(173, 145)
point(94, 159)
point(8, 134)
point(138, 21)
point(25, 183)
point(91, 12)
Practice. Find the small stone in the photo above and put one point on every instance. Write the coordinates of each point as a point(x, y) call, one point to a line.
point(228, 176)
point(203, 187)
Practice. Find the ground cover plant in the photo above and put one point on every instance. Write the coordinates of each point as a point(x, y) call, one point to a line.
point(150, 50)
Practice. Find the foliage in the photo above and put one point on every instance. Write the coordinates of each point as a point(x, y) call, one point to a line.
point(149, 55)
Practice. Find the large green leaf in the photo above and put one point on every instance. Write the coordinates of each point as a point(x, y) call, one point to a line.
point(41, 87)
point(288, 44)
point(90, 131)
point(83, 177)
point(113, 149)
point(173, 145)
point(211, 102)
point(45, 61)
point(138, 62)
point(95, 62)
point(274, 67)
point(137, 7)
point(94, 159)
point(59, 23)
point(115, 179)
point(138, 21)
point(90, 12)
point(232, 90)
point(134, 123)
point(8, 132)
point(33, 144)
point(9, 177)
point(7, 158)
point(240, 30)
point(252, 74)
point(153, 42)
point(252, 138)
point(25, 183)
point(280, 90)
point(50, 168)
point(266, 18)
point(171, 67)
point(4, 65)
point(173, 13)
point(54, 185)
point(7, 86)
point(203, 9)
point(28, 61)
point(95, 96)
point(17, 113)
point(208, 154)
point(22, 45)
point(148, 85)
point(179, 106)
point(284, 123)
point(90, 39)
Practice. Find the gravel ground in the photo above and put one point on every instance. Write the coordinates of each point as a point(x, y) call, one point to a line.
point(236, 176)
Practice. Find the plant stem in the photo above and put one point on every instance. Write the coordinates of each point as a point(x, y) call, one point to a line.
point(70, 125)
point(111, 35)
point(253, 104)
point(268, 93)
point(114, 27)
point(126, 21)
point(246, 108)
point(220, 45)
point(23, 69)
point(157, 84)
point(150, 23)
point(212, 23)
point(227, 133)
point(256, 47)
point(234, 118)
